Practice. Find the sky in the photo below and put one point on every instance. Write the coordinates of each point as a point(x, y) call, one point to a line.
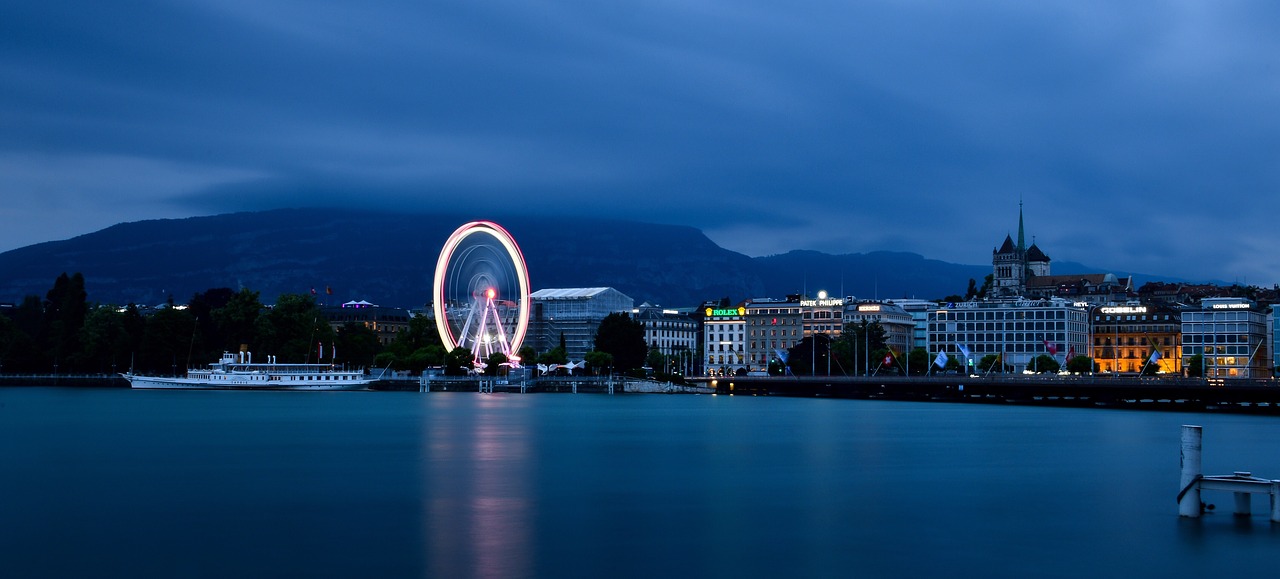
point(1139, 136)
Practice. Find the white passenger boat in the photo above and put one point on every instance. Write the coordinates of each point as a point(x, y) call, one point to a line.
point(237, 371)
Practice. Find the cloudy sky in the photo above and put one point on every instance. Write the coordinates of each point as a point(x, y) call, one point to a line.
point(1142, 136)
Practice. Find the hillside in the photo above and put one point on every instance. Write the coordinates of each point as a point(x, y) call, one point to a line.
point(387, 258)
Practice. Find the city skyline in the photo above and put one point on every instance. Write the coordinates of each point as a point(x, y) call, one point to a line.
point(1139, 138)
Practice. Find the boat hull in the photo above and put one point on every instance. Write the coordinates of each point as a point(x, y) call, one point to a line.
point(159, 383)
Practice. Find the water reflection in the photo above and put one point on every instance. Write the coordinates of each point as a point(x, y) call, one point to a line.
point(477, 471)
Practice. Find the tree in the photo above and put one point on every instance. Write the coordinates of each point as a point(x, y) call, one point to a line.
point(553, 356)
point(293, 329)
point(237, 320)
point(656, 361)
point(854, 351)
point(598, 362)
point(1194, 366)
point(458, 361)
point(65, 308)
point(1081, 365)
point(202, 306)
point(1044, 364)
point(918, 361)
point(495, 364)
point(810, 356)
point(167, 342)
point(356, 344)
point(972, 291)
point(103, 340)
point(622, 337)
point(990, 361)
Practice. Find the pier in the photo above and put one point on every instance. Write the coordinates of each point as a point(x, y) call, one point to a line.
point(1243, 485)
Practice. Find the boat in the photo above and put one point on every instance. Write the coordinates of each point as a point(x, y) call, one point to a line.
point(238, 371)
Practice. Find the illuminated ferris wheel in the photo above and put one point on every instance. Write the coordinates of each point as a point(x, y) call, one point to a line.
point(481, 292)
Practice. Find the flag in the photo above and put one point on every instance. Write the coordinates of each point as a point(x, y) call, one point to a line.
point(1052, 348)
point(782, 356)
point(313, 291)
point(320, 346)
point(941, 360)
point(1155, 356)
point(1071, 352)
point(328, 290)
point(963, 349)
point(888, 359)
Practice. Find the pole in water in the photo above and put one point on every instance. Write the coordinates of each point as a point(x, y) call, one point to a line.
point(1189, 501)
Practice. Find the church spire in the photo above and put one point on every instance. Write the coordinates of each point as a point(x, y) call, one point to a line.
point(1022, 238)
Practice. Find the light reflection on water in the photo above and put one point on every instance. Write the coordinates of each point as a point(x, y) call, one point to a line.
point(122, 483)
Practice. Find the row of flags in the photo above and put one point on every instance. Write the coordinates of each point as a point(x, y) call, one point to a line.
point(328, 290)
point(942, 358)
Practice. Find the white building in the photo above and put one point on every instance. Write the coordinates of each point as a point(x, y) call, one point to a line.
point(724, 340)
point(1019, 329)
point(899, 327)
point(671, 332)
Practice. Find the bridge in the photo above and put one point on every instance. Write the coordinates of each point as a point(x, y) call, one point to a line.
point(1186, 394)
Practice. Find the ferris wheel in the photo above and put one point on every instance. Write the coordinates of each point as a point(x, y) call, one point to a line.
point(481, 292)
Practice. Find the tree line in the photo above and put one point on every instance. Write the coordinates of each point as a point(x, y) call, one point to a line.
point(64, 333)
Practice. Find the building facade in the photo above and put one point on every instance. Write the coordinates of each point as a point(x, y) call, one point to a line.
point(1230, 334)
point(773, 326)
point(724, 340)
point(670, 332)
point(1018, 330)
point(1130, 338)
point(899, 326)
point(386, 323)
point(574, 314)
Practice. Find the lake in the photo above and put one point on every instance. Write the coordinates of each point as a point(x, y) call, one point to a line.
point(116, 482)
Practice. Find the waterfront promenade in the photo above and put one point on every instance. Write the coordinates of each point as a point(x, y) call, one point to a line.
point(1177, 394)
point(1171, 394)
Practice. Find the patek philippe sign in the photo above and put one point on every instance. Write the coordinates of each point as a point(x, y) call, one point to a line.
point(822, 303)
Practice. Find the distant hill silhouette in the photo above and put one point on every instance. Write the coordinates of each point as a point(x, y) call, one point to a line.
point(388, 259)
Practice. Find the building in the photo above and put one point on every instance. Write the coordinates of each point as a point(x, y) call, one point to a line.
point(822, 315)
point(773, 326)
point(1230, 334)
point(574, 314)
point(919, 311)
point(724, 340)
point(1018, 329)
point(1093, 288)
point(671, 332)
point(1126, 336)
point(1013, 266)
point(899, 326)
point(386, 323)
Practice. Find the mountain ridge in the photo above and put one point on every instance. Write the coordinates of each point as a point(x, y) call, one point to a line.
point(389, 258)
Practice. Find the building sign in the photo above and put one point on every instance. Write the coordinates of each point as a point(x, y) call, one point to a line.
point(714, 313)
point(869, 308)
point(1124, 310)
point(822, 303)
point(1231, 306)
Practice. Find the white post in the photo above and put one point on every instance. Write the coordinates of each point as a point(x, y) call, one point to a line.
point(1243, 504)
point(1189, 504)
point(1275, 501)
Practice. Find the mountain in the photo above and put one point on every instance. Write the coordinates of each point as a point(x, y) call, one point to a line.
point(389, 259)
point(386, 258)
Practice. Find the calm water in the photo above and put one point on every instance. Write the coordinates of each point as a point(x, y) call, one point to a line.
point(163, 484)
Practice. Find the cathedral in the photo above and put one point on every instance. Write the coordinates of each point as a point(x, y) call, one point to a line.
point(1013, 266)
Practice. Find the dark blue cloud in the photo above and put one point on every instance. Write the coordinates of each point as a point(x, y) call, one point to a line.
point(1141, 137)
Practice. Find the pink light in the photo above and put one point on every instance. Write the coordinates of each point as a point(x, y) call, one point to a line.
point(491, 293)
